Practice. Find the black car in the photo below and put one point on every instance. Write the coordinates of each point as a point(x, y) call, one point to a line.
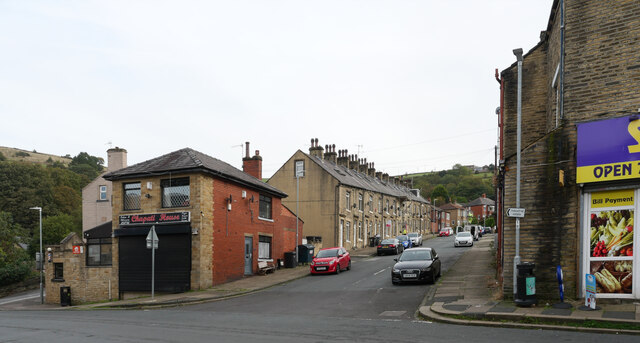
point(390, 246)
point(416, 265)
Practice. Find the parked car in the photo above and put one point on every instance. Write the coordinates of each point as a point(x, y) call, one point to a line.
point(416, 265)
point(331, 260)
point(446, 232)
point(390, 246)
point(463, 239)
point(416, 239)
point(405, 241)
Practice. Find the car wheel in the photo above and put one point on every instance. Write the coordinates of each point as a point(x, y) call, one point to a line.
point(432, 280)
point(349, 265)
point(338, 268)
point(394, 282)
point(439, 271)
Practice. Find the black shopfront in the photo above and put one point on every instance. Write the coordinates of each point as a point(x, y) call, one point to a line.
point(172, 258)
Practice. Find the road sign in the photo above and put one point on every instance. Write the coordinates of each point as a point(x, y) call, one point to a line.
point(515, 212)
point(152, 238)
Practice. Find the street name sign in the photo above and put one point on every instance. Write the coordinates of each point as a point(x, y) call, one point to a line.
point(515, 212)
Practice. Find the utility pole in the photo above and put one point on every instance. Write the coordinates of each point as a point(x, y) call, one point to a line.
point(516, 258)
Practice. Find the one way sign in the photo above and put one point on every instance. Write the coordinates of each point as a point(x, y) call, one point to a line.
point(152, 238)
point(515, 212)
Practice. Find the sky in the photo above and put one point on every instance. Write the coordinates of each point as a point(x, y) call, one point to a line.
point(408, 85)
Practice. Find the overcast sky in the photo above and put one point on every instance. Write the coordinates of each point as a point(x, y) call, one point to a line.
point(408, 84)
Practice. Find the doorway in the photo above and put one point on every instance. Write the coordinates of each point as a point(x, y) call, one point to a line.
point(248, 255)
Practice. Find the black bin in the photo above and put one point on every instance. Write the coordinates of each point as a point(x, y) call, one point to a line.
point(290, 259)
point(65, 296)
point(305, 253)
point(526, 285)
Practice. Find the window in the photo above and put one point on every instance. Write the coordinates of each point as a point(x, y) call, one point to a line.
point(58, 272)
point(99, 252)
point(347, 230)
point(103, 193)
point(132, 196)
point(386, 209)
point(265, 207)
point(370, 203)
point(264, 247)
point(175, 192)
point(348, 200)
point(379, 205)
point(360, 202)
point(394, 207)
point(299, 169)
point(360, 233)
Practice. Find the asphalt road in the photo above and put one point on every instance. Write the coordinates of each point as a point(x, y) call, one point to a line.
point(360, 305)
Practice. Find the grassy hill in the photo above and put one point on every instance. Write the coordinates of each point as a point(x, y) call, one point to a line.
point(13, 154)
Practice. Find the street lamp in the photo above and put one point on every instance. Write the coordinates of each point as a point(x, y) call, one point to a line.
point(41, 256)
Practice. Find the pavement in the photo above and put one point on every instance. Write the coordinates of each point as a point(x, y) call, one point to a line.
point(466, 294)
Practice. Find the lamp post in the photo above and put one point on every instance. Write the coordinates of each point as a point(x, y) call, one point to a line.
point(41, 256)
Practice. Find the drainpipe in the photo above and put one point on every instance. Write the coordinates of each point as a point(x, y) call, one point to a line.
point(516, 258)
point(561, 95)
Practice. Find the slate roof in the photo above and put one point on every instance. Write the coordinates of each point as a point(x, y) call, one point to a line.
point(188, 160)
point(452, 206)
point(481, 201)
point(356, 179)
point(100, 231)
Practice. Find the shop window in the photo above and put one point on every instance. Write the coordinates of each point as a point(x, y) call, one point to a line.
point(132, 196)
point(58, 272)
point(99, 252)
point(175, 192)
point(264, 247)
point(265, 207)
point(103, 193)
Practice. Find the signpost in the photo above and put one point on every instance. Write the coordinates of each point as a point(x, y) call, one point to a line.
point(515, 212)
point(152, 243)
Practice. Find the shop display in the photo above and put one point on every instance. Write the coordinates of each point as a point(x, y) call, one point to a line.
point(612, 233)
point(613, 276)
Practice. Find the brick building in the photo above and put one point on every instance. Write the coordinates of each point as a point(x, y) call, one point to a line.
point(344, 200)
point(214, 224)
point(481, 208)
point(457, 214)
point(580, 100)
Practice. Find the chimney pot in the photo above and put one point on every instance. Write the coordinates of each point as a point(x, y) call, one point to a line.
point(247, 150)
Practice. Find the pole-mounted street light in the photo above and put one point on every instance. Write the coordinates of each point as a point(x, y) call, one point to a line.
point(41, 256)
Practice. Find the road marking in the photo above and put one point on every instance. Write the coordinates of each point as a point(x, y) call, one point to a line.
point(20, 299)
point(380, 271)
point(392, 313)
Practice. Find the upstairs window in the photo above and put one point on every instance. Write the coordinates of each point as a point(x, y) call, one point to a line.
point(132, 196)
point(175, 192)
point(103, 193)
point(348, 200)
point(360, 203)
point(265, 207)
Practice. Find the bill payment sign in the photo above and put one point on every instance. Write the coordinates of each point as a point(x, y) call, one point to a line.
point(515, 212)
point(608, 150)
point(152, 239)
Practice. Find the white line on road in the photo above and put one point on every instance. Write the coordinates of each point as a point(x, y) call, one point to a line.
point(376, 273)
point(20, 299)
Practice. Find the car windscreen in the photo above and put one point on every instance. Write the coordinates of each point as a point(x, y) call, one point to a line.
point(388, 241)
point(403, 238)
point(413, 235)
point(327, 253)
point(463, 234)
point(415, 255)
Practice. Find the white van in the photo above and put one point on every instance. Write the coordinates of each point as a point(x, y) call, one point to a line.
point(474, 229)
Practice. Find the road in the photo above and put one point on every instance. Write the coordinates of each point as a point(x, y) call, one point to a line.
point(360, 305)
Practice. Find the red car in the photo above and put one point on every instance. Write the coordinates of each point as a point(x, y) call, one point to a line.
point(331, 260)
point(446, 232)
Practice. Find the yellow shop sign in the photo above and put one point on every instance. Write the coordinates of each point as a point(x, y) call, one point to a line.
point(612, 198)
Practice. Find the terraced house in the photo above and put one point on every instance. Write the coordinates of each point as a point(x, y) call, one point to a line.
point(345, 201)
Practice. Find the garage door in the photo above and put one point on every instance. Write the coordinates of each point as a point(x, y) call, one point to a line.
point(172, 259)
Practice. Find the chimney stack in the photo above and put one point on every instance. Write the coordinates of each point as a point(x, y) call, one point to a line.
point(353, 162)
point(116, 159)
point(315, 149)
point(343, 158)
point(252, 165)
point(363, 166)
point(331, 154)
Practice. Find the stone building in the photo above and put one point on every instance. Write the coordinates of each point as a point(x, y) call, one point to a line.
point(345, 201)
point(580, 100)
point(214, 224)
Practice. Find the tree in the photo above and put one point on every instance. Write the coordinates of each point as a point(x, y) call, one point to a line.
point(55, 228)
point(440, 193)
point(86, 164)
point(14, 261)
